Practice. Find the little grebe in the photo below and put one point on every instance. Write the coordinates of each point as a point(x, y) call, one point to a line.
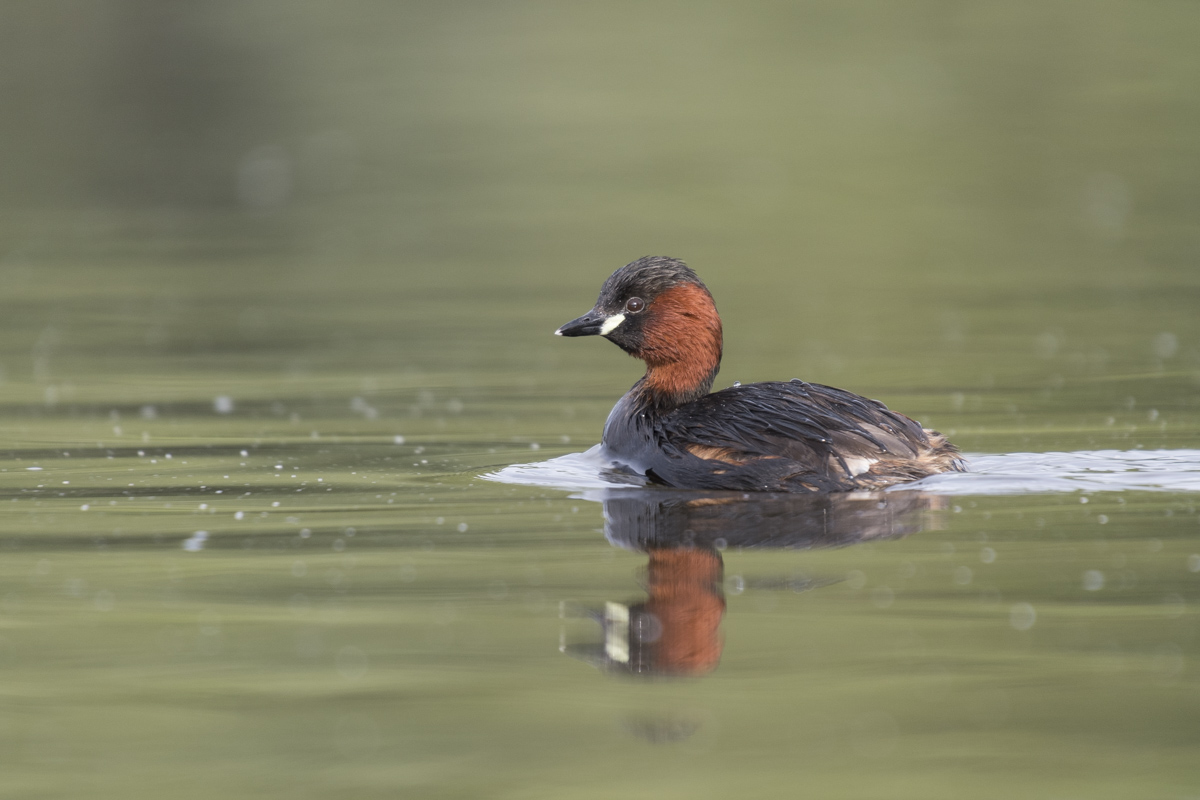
point(773, 437)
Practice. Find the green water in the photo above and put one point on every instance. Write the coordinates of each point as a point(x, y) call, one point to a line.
point(984, 216)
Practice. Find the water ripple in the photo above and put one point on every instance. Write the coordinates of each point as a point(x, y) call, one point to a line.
point(991, 473)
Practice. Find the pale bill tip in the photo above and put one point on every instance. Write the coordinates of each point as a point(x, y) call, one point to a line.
point(558, 332)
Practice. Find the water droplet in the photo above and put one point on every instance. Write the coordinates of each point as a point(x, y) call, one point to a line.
point(1022, 616)
point(104, 600)
point(1093, 580)
point(1165, 345)
point(195, 542)
point(351, 663)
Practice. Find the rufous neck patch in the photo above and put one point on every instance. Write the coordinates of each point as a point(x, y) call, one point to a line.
point(681, 343)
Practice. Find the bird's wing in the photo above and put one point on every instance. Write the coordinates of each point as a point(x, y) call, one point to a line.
point(811, 432)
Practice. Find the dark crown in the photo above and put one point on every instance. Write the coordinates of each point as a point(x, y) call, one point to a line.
point(648, 277)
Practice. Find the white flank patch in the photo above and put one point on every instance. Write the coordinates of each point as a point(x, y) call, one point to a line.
point(858, 466)
point(611, 324)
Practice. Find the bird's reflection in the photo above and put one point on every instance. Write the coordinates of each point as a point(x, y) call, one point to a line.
point(675, 630)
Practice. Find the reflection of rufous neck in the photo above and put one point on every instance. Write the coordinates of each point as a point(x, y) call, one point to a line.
point(685, 596)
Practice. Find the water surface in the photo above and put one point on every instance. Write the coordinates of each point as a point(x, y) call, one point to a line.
point(259, 361)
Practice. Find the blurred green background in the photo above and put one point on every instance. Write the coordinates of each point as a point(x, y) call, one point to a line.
point(887, 195)
point(240, 235)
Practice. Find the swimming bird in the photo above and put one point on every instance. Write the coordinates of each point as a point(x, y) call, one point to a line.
point(777, 436)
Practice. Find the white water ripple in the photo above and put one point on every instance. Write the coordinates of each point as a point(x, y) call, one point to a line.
point(990, 473)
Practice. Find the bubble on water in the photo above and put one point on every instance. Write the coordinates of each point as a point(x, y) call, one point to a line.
point(244, 453)
point(223, 404)
point(149, 412)
point(305, 533)
point(1022, 616)
point(719, 544)
point(299, 569)
point(1046, 345)
point(534, 446)
point(195, 542)
point(1165, 345)
point(462, 527)
point(987, 555)
point(397, 439)
point(1106, 204)
point(1102, 519)
point(209, 623)
point(856, 579)
point(1193, 562)
point(1168, 661)
point(264, 178)
point(239, 515)
point(104, 600)
point(339, 545)
point(882, 597)
point(34, 469)
point(298, 604)
point(351, 663)
point(735, 584)
point(1093, 580)
point(84, 507)
point(963, 575)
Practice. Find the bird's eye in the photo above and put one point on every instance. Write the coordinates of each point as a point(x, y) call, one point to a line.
point(634, 304)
